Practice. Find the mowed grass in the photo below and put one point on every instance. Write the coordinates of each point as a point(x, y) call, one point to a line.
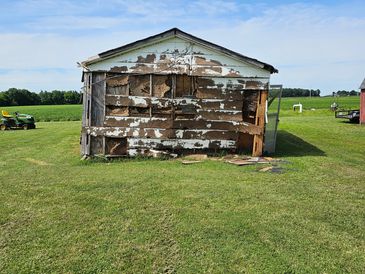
point(315, 106)
point(60, 214)
point(49, 113)
point(346, 102)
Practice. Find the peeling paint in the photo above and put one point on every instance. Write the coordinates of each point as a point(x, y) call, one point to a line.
point(176, 96)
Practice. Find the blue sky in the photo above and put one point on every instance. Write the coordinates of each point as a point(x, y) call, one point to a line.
point(314, 44)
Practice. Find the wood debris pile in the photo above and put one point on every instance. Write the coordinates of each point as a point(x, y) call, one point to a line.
point(269, 164)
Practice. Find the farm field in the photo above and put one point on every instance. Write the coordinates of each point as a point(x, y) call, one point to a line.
point(50, 113)
point(60, 214)
point(347, 102)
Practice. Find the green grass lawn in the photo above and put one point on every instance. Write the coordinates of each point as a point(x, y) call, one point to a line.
point(315, 106)
point(347, 102)
point(60, 214)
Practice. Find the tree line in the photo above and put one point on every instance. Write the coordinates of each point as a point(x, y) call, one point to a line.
point(346, 93)
point(300, 92)
point(23, 97)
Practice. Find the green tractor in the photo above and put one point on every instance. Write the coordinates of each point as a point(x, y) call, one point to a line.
point(16, 121)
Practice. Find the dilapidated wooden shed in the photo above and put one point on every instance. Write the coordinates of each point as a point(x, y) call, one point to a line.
point(175, 93)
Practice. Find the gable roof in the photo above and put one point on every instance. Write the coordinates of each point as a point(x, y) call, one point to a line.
point(362, 86)
point(175, 32)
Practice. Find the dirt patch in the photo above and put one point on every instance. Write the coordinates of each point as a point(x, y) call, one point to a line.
point(37, 162)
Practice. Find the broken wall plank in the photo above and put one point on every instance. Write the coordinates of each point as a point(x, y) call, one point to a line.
point(227, 115)
point(258, 140)
point(116, 146)
point(205, 104)
point(180, 143)
point(166, 123)
point(218, 93)
point(204, 134)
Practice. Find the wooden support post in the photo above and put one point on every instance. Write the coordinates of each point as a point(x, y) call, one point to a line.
point(128, 93)
point(151, 92)
point(86, 117)
point(89, 97)
point(258, 140)
point(105, 92)
point(173, 94)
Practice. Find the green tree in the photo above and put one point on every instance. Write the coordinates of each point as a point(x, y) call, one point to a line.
point(57, 97)
point(347, 93)
point(46, 98)
point(71, 97)
point(4, 99)
point(22, 97)
point(300, 92)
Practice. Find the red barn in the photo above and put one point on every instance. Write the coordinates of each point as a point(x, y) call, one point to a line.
point(362, 103)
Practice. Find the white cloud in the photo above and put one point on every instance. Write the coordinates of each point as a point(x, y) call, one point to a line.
point(313, 46)
point(36, 81)
point(27, 51)
point(213, 7)
point(309, 46)
point(75, 23)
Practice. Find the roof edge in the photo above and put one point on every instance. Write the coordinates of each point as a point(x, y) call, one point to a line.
point(181, 34)
point(362, 86)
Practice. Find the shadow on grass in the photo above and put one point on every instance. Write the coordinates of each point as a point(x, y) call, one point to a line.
point(349, 122)
point(289, 145)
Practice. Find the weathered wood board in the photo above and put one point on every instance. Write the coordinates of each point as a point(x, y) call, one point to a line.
point(176, 94)
point(141, 110)
point(178, 56)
